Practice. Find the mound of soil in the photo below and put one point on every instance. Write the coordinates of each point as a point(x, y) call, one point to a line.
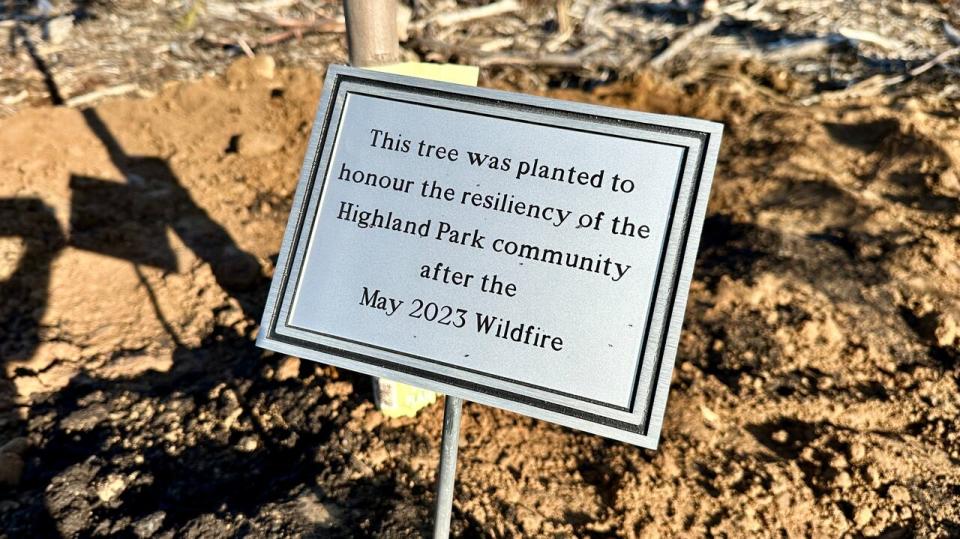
point(816, 390)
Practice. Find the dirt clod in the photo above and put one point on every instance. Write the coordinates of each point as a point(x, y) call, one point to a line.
point(289, 367)
point(863, 516)
point(111, 487)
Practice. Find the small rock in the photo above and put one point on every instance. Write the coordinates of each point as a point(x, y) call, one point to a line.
point(709, 415)
point(111, 487)
point(863, 516)
point(233, 315)
point(258, 143)
point(950, 181)
point(338, 389)
point(857, 451)
point(149, 525)
point(781, 436)
point(11, 469)
point(531, 523)
point(247, 70)
point(267, 372)
point(843, 481)
point(373, 420)
point(947, 331)
point(873, 476)
point(232, 417)
point(839, 462)
point(668, 465)
point(378, 456)
point(84, 419)
point(248, 444)
point(59, 28)
point(316, 512)
point(899, 494)
point(836, 518)
point(264, 66)
point(288, 368)
point(216, 391)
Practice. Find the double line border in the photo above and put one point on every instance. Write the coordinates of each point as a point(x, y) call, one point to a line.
point(640, 423)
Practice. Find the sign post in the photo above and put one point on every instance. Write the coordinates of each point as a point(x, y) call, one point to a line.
point(447, 474)
point(517, 251)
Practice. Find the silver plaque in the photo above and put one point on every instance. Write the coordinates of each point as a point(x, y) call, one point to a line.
point(517, 251)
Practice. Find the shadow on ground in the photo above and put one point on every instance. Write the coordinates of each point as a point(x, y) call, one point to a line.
point(217, 445)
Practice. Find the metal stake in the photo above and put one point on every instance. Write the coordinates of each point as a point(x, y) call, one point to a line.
point(372, 32)
point(452, 412)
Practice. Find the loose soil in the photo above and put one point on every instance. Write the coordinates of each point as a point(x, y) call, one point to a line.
point(815, 394)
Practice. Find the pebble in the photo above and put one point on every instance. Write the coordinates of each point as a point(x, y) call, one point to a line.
point(248, 444)
point(899, 494)
point(112, 487)
point(948, 331)
point(84, 419)
point(863, 516)
point(232, 418)
point(873, 476)
point(709, 415)
point(149, 525)
point(59, 29)
point(377, 456)
point(373, 420)
point(858, 451)
point(248, 70)
point(264, 66)
point(338, 389)
point(668, 465)
point(316, 512)
point(531, 523)
point(843, 481)
point(288, 368)
point(258, 143)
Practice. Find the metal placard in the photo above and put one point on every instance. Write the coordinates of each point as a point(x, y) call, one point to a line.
point(516, 251)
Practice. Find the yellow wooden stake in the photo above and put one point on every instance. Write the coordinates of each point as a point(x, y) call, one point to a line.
point(396, 399)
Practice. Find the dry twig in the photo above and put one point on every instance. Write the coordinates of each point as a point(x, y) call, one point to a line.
point(84, 99)
point(871, 37)
point(471, 14)
point(296, 29)
point(874, 85)
point(680, 44)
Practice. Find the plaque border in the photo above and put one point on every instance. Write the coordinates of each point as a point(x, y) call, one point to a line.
point(641, 422)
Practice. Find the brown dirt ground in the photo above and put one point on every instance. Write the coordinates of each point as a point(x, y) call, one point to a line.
point(816, 390)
